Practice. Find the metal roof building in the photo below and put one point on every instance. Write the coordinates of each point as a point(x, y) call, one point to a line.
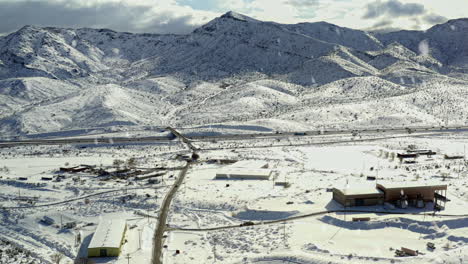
point(107, 239)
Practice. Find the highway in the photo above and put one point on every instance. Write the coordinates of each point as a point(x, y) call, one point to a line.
point(95, 141)
point(188, 139)
point(323, 142)
point(395, 130)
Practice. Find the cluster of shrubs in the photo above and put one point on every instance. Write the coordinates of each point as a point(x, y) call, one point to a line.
point(10, 253)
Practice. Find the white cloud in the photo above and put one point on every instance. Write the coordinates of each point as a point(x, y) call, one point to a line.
point(160, 16)
point(170, 16)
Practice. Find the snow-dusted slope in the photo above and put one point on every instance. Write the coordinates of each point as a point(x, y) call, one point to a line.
point(233, 69)
point(445, 42)
point(98, 106)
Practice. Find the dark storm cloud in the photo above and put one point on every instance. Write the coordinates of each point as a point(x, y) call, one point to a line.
point(435, 19)
point(392, 8)
point(116, 16)
point(383, 24)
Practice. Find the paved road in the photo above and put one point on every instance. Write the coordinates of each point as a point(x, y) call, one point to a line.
point(183, 138)
point(396, 130)
point(188, 140)
point(320, 143)
point(162, 218)
point(65, 141)
point(75, 199)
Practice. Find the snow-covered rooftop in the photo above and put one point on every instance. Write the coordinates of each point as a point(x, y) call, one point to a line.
point(360, 190)
point(108, 234)
point(412, 184)
point(244, 172)
point(251, 164)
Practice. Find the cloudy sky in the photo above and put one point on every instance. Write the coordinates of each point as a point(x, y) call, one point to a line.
point(182, 16)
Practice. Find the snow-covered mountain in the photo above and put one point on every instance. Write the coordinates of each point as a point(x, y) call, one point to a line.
point(233, 69)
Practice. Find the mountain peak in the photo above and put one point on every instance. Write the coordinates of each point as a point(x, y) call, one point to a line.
point(29, 28)
point(238, 16)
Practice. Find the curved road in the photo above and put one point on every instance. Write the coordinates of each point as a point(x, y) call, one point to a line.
point(73, 199)
point(310, 215)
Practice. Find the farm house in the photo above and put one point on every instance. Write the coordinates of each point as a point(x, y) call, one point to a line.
point(108, 238)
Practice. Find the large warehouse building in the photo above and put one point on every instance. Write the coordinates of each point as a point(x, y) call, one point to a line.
point(246, 170)
point(108, 238)
point(390, 192)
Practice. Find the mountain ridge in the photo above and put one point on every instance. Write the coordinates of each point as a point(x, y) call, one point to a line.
point(188, 75)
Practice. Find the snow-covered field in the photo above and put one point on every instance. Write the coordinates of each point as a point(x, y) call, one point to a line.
point(82, 198)
point(206, 213)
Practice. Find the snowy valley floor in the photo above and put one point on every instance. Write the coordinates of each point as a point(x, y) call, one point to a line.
point(204, 202)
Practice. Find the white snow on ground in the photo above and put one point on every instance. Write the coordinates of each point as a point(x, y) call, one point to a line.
point(205, 202)
point(83, 198)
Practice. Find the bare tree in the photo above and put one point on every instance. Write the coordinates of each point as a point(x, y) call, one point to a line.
point(117, 163)
point(56, 257)
point(131, 163)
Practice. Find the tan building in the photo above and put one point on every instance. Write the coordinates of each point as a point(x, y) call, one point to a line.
point(358, 196)
point(394, 190)
point(389, 192)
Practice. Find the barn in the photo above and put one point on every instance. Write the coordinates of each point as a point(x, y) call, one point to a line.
point(108, 239)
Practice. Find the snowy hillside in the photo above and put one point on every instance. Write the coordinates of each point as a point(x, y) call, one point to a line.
point(232, 69)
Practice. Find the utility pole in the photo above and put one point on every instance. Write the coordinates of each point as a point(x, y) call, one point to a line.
point(284, 234)
point(214, 250)
point(345, 211)
point(147, 214)
point(139, 238)
point(128, 258)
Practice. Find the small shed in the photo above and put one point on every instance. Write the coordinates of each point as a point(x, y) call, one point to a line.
point(107, 239)
point(358, 196)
